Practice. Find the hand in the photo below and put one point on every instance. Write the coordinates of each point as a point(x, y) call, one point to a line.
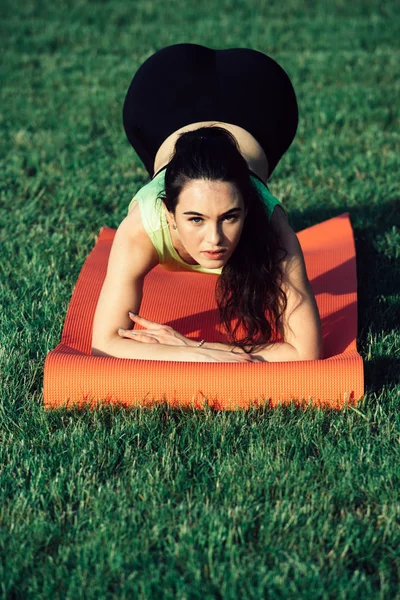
point(155, 333)
point(222, 356)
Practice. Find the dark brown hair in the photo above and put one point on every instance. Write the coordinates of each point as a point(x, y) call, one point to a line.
point(248, 293)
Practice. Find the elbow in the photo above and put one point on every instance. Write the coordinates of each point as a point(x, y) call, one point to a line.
point(313, 349)
point(113, 346)
point(313, 354)
point(101, 347)
point(99, 352)
point(98, 348)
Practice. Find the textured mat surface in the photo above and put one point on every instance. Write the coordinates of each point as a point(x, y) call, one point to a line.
point(72, 376)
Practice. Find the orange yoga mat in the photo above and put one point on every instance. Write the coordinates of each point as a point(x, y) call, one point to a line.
point(72, 376)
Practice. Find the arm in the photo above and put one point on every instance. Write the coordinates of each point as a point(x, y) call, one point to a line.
point(301, 325)
point(132, 256)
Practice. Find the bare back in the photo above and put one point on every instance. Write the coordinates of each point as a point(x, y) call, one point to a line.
point(250, 149)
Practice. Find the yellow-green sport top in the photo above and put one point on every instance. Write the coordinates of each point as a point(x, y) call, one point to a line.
point(156, 225)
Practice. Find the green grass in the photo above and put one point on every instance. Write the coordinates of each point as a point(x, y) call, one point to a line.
point(179, 504)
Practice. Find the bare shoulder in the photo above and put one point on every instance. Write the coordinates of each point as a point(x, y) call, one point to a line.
point(249, 147)
point(288, 237)
point(293, 264)
point(133, 224)
point(301, 320)
point(132, 237)
point(133, 229)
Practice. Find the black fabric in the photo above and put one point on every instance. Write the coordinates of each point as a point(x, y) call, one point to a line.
point(187, 83)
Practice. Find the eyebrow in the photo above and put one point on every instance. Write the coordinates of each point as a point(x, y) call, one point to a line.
point(228, 212)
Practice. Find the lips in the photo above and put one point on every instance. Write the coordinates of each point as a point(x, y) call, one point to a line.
point(215, 255)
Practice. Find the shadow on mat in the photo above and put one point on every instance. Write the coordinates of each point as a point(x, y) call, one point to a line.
point(378, 277)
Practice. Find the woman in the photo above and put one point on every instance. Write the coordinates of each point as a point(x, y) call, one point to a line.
point(210, 126)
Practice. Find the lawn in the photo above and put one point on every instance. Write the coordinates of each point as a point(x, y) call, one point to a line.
point(179, 504)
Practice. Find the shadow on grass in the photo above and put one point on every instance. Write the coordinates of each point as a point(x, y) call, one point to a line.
point(378, 276)
point(162, 414)
point(381, 371)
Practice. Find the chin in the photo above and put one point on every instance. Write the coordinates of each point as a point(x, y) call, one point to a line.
point(213, 264)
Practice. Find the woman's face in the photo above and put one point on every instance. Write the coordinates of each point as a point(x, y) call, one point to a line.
point(209, 219)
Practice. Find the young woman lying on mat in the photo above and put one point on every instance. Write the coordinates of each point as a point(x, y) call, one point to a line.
point(210, 126)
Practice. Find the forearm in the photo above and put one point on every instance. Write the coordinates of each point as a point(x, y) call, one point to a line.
point(127, 348)
point(279, 352)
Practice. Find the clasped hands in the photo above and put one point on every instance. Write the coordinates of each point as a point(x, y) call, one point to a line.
point(157, 333)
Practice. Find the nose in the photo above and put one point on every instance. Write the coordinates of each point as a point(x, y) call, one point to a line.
point(214, 235)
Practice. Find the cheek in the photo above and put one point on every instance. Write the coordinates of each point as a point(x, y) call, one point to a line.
point(234, 233)
point(190, 235)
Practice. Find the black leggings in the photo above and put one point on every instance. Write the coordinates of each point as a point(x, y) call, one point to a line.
point(187, 83)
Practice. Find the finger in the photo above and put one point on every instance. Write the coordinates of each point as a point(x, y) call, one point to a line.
point(144, 339)
point(138, 336)
point(146, 323)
